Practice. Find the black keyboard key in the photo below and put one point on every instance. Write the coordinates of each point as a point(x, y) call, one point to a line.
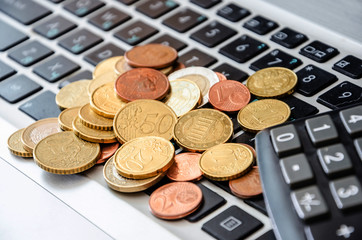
point(41, 106)
point(17, 88)
point(170, 41)
point(127, 2)
point(233, 12)
point(232, 224)
point(211, 202)
point(231, 73)
point(213, 34)
point(234, 119)
point(289, 38)
point(84, 75)
point(136, 33)
point(260, 25)
point(156, 8)
point(24, 11)
point(243, 49)
point(54, 27)
point(80, 41)
point(205, 3)
point(344, 94)
point(56, 1)
point(5, 71)
point(195, 57)
point(312, 79)
point(184, 20)
point(245, 137)
point(13, 36)
point(258, 203)
point(104, 52)
point(267, 236)
point(109, 19)
point(350, 66)
point(276, 58)
point(318, 51)
point(30, 53)
point(299, 108)
point(56, 68)
point(81, 8)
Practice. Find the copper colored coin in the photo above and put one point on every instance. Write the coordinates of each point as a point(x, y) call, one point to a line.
point(221, 76)
point(107, 151)
point(142, 83)
point(248, 185)
point(175, 200)
point(185, 168)
point(151, 56)
point(229, 96)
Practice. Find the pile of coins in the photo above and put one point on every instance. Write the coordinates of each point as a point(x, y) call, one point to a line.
point(143, 101)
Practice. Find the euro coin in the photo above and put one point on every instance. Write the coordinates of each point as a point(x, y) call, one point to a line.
point(101, 80)
point(247, 186)
point(15, 145)
point(93, 120)
point(66, 118)
point(185, 168)
point(106, 66)
point(73, 95)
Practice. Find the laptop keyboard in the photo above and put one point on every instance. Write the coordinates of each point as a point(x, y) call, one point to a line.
point(51, 44)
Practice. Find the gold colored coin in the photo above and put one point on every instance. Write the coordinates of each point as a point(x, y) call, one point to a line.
point(105, 102)
point(73, 95)
point(144, 157)
point(93, 120)
point(166, 70)
point(92, 135)
point(101, 80)
point(142, 118)
point(39, 130)
point(226, 161)
point(66, 118)
point(184, 96)
point(122, 66)
point(65, 153)
point(262, 114)
point(106, 66)
point(16, 146)
point(203, 128)
point(121, 184)
point(272, 82)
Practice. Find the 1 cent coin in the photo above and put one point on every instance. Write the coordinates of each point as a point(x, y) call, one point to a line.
point(185, 168)
point(107, 151)
point(248, 185)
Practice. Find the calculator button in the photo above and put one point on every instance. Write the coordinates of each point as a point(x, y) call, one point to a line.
point(184, 20)
point(319, 51)
point(233, 12)
point(342, 95)
point(260, 25)
point(213, 34)
point(136, 33)
point(288, 38)
point(233, 223)
point(347, 192)
point(349, 66)
point(13, 36)
point(299, 108)
point(258, 203)
point(127, 2)
point(321, 130)
point(296, 170)
point(79, 76)
point(5, 71)
point(80, 41)
point(205, 3)
point(243, 49)
point(17, 88)
point(312, 79)
point(156, 8)
point(195, 57)
point(309, 202)
point(107, 51)
point(276, 58)
point(358, 144)
point(170, 41)
point(285, 140)
point(109, 19)
point(81, 8)
point(231, 73)
point(30, 53)
point(334, 159)
point(54, 27)
point(267, 236)
point(352, 120)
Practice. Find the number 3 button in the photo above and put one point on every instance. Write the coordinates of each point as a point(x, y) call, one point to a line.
point(346, 192)
point(334, 159)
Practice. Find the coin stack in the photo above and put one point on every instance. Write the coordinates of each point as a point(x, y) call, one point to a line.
point(145, 99)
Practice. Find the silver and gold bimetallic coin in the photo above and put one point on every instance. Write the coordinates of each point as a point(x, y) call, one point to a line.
point(184, 96)
point(16, 146)
point(274, 82)
point(142, 118)
point(262, 114)
point(105, 102)
point(92, 135)
point(144, 157)
point(106, 66)
point(226, 161)
point(93, 120)
point(66, 118)
point(65, 153)
point(201, 129)
point(73, 95)
point(127, 185)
